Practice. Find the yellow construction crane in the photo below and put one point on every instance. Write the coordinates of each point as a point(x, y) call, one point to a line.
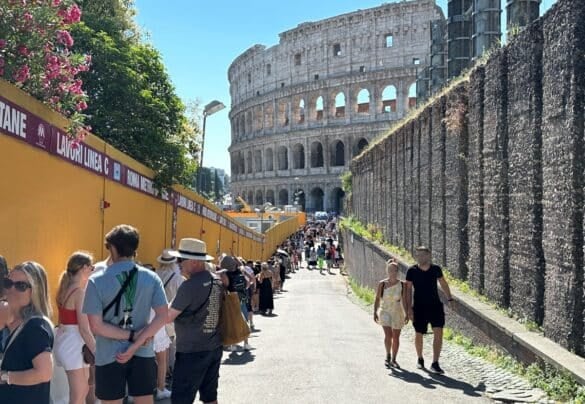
point(245, 207)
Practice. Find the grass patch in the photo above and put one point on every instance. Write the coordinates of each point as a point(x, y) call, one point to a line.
point(559, 386)
point(364, 293)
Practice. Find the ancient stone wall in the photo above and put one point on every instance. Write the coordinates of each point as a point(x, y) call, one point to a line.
point(494, 173)
point(303, 108)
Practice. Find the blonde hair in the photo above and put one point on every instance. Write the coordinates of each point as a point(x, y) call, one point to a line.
point(39, 299)
point(75, 263)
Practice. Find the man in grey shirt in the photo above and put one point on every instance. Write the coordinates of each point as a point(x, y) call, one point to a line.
point(195, 311)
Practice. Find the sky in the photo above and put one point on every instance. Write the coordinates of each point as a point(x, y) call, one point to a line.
point(199, 39)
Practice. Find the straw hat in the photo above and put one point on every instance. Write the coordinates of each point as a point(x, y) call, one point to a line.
point(192, 249)
point(166, 258)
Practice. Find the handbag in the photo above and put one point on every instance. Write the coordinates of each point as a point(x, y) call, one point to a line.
point(234, 328)
point(88, 356)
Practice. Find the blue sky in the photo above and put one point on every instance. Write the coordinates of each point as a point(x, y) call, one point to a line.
point(199, 39)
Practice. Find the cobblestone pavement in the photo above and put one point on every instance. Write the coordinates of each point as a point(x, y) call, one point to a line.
point(498, 384)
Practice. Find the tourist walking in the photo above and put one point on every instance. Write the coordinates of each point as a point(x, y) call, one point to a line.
point(27, 337)
point(427, 308)
point(73, 335)
point(391, 293)
point(321, 257)
point(195, 312)
point(237, 283)
point(266, 305)
point(118, 301)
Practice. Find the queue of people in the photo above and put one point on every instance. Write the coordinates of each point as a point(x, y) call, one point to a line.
point(125, 328)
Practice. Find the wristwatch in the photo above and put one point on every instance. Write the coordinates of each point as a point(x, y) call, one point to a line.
point(4, 377)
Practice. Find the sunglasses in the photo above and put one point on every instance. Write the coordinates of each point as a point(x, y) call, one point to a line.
point(21, 286)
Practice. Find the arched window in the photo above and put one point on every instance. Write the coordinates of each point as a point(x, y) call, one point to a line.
point(412, 96)
point(269, 157)
point(282, 158)
point(302, 111)
point(257, 161)
point(340, 105)
point(319, 108)
point(389, 99)
point(259, 198)
point(283, 197)
point(298, 156)
point(359, 146)
point(363, 101)
point(316, 155)
point(337, 154)
point(249, 162)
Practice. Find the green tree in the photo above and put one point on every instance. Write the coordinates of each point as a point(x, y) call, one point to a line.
point(134, 105)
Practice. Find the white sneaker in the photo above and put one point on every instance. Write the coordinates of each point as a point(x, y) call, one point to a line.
point(162, 394)
point(233, 348)
point(247, 347)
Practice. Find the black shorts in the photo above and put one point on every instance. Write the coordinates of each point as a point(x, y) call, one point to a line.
point(425, 315)
point(196, 372)
point(111, 379)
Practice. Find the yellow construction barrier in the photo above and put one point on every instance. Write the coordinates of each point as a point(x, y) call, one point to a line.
point(56, 198)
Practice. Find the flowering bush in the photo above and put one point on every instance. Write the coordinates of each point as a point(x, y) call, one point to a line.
point(35, 54)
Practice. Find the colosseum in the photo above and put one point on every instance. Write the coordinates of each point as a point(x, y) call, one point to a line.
point(303, 108)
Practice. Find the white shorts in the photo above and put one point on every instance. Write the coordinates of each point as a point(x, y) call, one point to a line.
point(67, 348)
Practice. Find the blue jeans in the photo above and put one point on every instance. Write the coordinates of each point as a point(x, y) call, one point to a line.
point(196, 372)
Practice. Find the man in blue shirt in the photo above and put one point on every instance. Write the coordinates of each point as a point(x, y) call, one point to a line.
point(118, 301)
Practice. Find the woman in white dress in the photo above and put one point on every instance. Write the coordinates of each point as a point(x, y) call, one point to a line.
point(392, 315)
point(73, 331)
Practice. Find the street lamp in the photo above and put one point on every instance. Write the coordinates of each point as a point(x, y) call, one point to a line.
point(210, 109)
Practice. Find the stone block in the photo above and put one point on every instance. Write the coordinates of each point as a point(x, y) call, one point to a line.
point(438, 182)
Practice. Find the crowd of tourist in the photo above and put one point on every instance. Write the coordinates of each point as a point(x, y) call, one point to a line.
point(125, 328)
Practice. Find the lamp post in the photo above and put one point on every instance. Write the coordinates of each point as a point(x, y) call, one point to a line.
point(210, 109)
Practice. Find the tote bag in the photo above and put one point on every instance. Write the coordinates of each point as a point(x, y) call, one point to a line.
point(234, 328)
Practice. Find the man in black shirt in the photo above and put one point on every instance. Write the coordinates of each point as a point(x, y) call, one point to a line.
point(427, 307)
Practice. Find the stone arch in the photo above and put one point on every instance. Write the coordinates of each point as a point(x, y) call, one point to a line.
point(301, 111)
point(316, 154)
point(317, 202)
point(337, 154)
point(250, 198)
point(259, 198)
point(283, 197)
point(298, 156)
point(249, 162)
point(270, 196)
point(268, 115)
point(360, 145)
point(282, 158)
point(412, 96)
point(340, 104)
point(389, 99)
point(249, 122)
point(363, 101)
point(319, 108)
point(336, 199)
point(241, 163)
point(269, 158)
point(283, 118)
point(257, 161)
point(299, 198)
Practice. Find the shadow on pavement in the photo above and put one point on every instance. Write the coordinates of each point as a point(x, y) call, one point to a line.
point(434, 380)
point(239, 358)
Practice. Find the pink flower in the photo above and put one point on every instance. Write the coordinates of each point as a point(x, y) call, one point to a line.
point(75, 88)
point(23, 50)
point(22, 74)
point(2, 62)
point(1, 71)
point(73, 15)
point(64, 38)
point(56, 3)
point(28, 18)
point(2, 43)
point(81, 105)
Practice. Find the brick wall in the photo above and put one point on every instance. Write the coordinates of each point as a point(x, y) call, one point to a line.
point(491, 176)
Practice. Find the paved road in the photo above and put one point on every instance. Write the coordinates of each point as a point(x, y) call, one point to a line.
point(323, 348)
